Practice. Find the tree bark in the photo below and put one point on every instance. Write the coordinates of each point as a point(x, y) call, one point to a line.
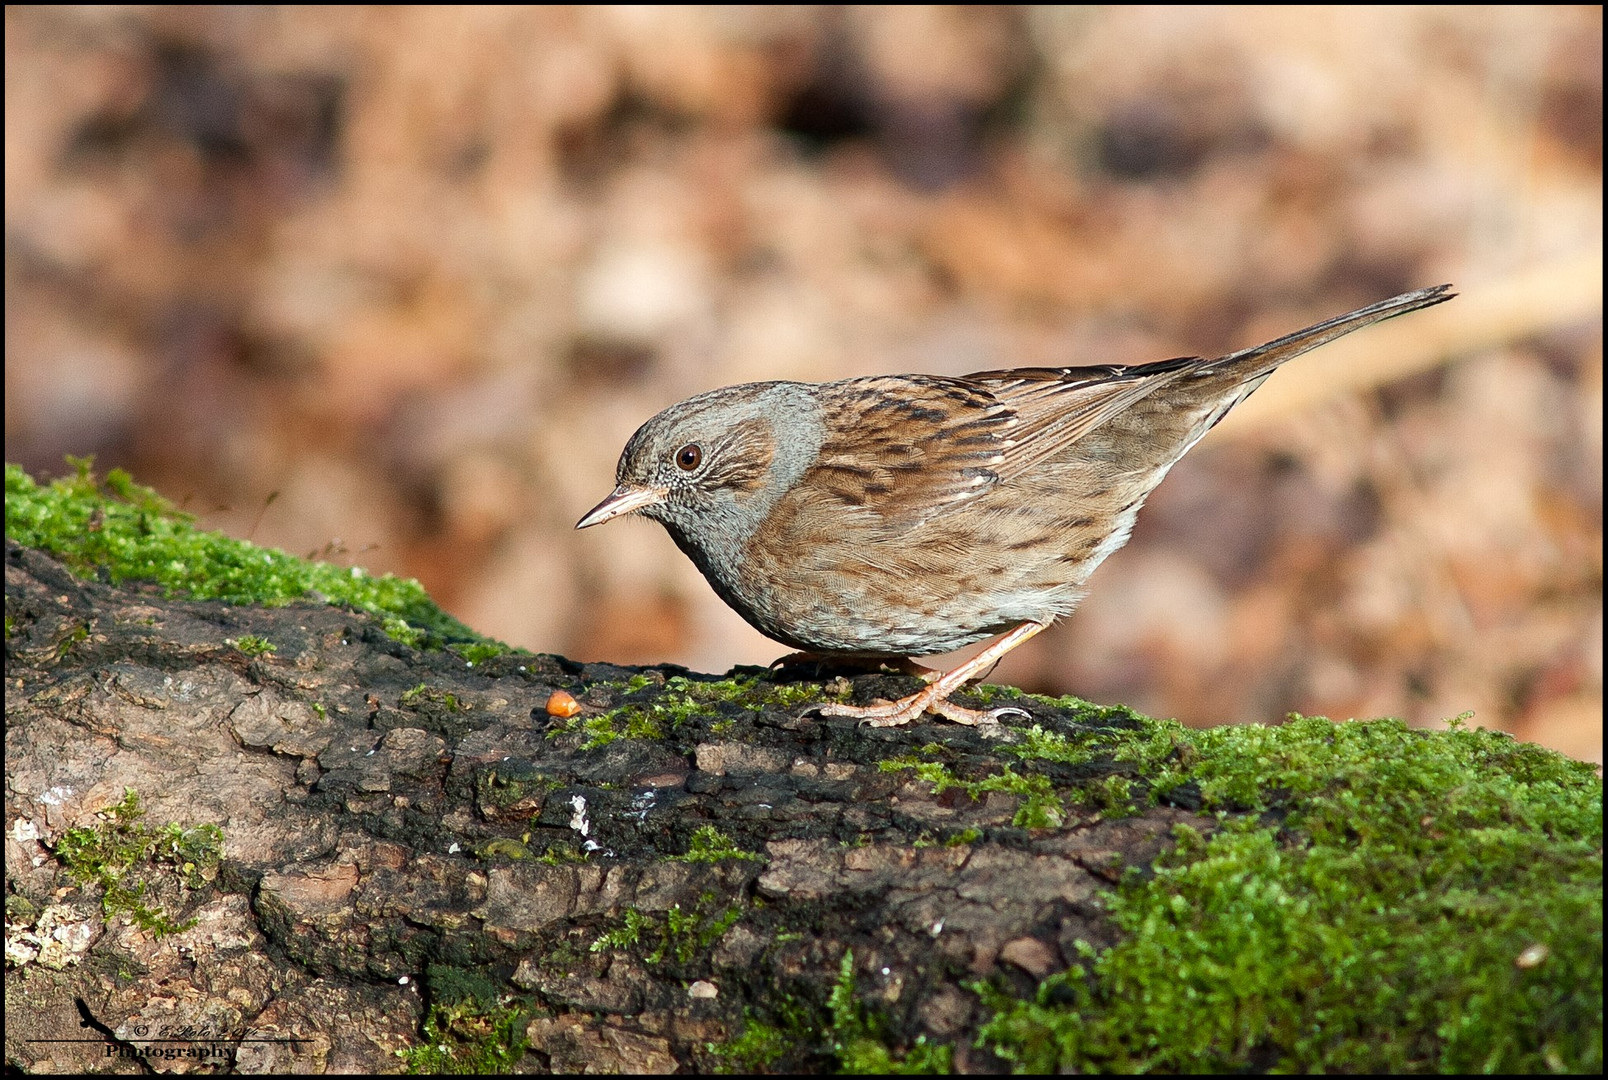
point(402, 831)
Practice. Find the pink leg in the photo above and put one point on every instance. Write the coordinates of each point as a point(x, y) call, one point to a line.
point(935, 697)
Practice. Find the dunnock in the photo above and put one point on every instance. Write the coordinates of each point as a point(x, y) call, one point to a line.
point(906, 515)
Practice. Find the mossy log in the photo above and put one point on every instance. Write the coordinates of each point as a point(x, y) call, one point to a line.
point(279, 837)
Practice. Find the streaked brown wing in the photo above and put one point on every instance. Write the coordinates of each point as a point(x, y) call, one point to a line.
point(913, 446)
point(1056, 407)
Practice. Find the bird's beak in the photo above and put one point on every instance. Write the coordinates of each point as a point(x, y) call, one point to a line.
point(624, 499)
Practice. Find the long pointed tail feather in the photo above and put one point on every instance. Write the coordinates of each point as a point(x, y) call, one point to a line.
point(1290, 346)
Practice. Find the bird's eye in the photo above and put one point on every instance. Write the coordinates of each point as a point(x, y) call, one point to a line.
point(689, 457)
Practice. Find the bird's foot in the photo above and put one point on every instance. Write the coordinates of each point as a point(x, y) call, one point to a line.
point(934, 697)
point(901, 712)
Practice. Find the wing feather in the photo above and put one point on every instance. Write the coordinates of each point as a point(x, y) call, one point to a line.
point(914, 447)
point(920, 445)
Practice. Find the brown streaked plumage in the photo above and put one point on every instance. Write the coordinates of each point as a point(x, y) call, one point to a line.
point(907, 515)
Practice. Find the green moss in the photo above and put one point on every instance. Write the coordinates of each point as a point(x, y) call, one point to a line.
point(469, 1027)
point(1391, 923)
point(1112, 797)
point(423, 695)
point(678, 700)
point(671, 705)
point(710, 845)
point(1421, 902)
point(251, 644)
point(785, 1028)
point(130, 533)
point(680, 935)
point(120, 855)
point(415, 637)
point(479, 652)
point(628, 722)
point(1074, 749)
point(755, 1050)
point(991, 694)
point(690, 934)
point(1044, 804)
point(502, 847)
point(859, 1037)
point(788, 695)
point(624, 936)
point(559, 854)
point(696, 695)
point(1040, 807)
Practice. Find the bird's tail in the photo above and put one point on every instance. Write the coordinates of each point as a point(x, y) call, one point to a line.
point(1254, 364)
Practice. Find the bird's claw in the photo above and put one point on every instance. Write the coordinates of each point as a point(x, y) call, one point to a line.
point(898, 713)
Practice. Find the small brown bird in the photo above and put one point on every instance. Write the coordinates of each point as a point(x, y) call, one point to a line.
point(906, 515)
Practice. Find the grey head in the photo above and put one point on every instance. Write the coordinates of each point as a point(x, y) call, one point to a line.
point(711, 467)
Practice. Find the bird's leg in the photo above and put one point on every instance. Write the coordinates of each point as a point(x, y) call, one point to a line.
point(900, 665)
point(935, 697)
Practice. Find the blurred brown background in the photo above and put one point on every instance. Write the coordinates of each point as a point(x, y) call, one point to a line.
point(422, 272)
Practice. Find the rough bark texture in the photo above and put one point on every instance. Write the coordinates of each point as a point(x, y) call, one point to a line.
point(398, 825)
